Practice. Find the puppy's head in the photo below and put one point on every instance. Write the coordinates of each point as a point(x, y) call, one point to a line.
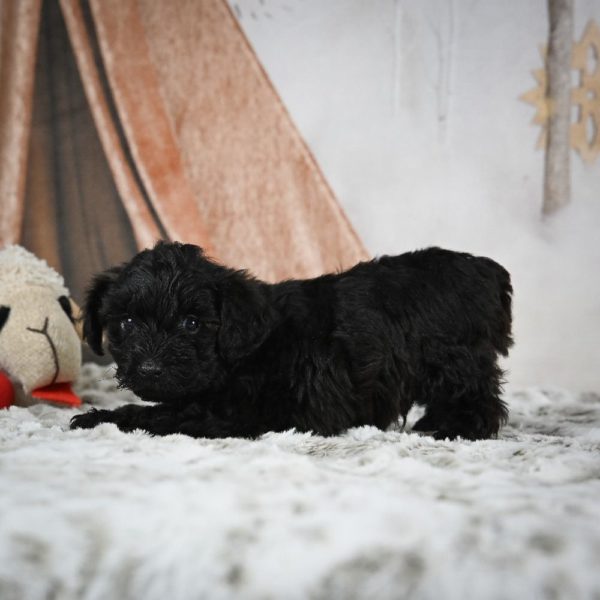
point(175, 322)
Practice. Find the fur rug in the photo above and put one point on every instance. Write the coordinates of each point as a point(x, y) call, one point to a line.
point(104, 515)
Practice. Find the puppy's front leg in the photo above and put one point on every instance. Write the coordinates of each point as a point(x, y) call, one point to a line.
point(194, 420)
point(200, 422)
point(127, 418)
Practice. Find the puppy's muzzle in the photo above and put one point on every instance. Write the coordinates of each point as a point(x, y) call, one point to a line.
point(150, 369)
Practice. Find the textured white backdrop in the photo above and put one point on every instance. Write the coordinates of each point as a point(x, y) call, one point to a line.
point(412, 109)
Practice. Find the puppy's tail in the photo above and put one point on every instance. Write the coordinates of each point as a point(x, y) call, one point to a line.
point(501, 328)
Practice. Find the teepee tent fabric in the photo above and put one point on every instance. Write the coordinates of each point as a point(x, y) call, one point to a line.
point(195, 140)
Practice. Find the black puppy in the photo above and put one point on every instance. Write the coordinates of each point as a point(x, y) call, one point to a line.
point(223, 354)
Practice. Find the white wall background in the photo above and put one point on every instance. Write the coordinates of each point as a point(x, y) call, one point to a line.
point(411, 107)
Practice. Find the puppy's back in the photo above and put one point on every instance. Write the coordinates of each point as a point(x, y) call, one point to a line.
point(455, 291)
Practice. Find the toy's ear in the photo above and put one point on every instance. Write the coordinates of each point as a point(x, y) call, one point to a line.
point(93, 324)
point(247, 317)
point(4, 312)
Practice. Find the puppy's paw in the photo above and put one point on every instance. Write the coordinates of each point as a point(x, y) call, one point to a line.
point(425, 425)
point(428, 427)
point(90, 419)
point(468, 426)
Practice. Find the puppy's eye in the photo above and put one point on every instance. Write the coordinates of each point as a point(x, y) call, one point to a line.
point(66, 306)
point(190, 324)
point(127, 324)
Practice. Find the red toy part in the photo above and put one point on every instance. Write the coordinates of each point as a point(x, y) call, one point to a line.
point(7, 391)
point(57, 392)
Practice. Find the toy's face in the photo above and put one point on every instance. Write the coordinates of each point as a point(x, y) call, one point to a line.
point(38, 342)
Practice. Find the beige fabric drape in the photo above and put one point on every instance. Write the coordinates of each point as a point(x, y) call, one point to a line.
point(135, 90)
point(184, 69)
point(144, 226)
point(73, 214)
point(19, 22)
point(196, 140)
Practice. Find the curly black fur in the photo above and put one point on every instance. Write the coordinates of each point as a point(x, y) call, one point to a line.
point(224, 354)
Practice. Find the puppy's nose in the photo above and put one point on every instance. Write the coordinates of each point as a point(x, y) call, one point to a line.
point(150, 368)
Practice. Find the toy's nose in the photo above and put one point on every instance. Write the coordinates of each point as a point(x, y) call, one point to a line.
point(150, 368)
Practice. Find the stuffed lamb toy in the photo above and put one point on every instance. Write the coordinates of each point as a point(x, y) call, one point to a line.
point(40, 349)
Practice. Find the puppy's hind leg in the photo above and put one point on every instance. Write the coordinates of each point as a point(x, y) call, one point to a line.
point(463, 398)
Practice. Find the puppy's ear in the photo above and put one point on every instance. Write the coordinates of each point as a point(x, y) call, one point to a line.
point(247, 317)
point(92, 321)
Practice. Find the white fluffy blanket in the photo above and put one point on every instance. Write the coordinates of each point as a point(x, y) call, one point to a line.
point(105, 515)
